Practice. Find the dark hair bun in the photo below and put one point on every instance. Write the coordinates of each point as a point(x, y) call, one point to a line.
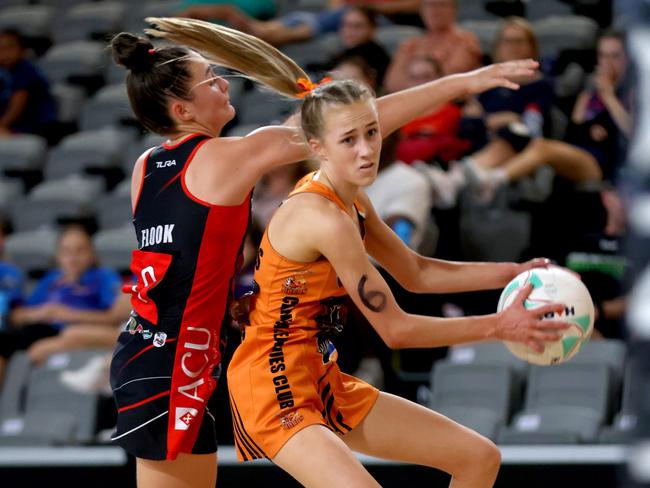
point(132, 51)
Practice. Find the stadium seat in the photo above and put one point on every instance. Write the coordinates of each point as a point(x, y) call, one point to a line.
point(89, 21)
point(114, 211)
point(114, 247)
point(50, 201)
point(485, 30)
point(605, 351)
point(29, 20)
point(13, 391)
point(558, 33)
point(565, 403)
point(474, 10)
point(10, 192)
point(74, 60)
point(482, 230)
point(90, 149)
point(69, 101)
point(33, 250)
point(476, 395)
point(114, 73)
point(55, 415)
point(109, 107)
point(137, 12)
point(494, 352)
point(622, 429)
point(23, 152)
point(547, 8)
point(264, 107)
point(317, 51)
point(391, 36)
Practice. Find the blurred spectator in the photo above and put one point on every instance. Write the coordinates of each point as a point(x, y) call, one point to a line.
point(26, 104)
point(601, 121)
point(11, 279)
point(273, 188)
point(357, 33)
point(85, 329)
point(355, 68)
point(401, 196)
point(435, 135)
point(532, 102)
point(224, 9)
point(455, 49)
point(77, 283)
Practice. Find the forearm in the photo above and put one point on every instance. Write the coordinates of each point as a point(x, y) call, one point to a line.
point(401, 107)
point(439, 276)
point(15, 107)
point(417, 331)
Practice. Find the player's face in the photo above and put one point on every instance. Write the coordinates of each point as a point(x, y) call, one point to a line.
point(210, 102)
point(351, 143)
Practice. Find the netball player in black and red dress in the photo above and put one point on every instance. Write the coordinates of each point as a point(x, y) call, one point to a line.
point(191, 204)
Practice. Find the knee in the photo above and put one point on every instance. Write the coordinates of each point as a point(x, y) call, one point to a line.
point(482, 465)
point(489, 455)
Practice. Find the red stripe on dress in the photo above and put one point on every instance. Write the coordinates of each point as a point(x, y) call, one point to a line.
point(142, 402)
point(142, 352)
point(224, 231)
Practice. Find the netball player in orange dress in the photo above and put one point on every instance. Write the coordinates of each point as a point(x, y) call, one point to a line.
point(290, 401)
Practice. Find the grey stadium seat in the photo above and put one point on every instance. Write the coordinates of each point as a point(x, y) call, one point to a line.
point(565, 403)
point(476, 395)
point(86, 21)
point(90, 149)
point(565, 32)
point(316, 51)
point(69, 101)
point(33, 250)
point(10, 192)
point(30, 20)
point(73, 59)
point(109, 107)
point(114, 247)
point(494, 352)
point(482, 231)
point(22, 151)
point(55, 415)
point(391, 36)
point(154, 8)
point(114, 211)
point(625, 421)
point(539, 10)
point(51, 200)
point(13, 390)
point(264, 107)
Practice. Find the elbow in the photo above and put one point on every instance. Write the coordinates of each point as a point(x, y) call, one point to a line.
point(395, 335)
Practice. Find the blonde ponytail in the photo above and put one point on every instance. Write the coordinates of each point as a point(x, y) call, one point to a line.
point(233, 49)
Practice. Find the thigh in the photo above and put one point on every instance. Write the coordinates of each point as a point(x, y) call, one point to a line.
point(400, 430)
point(186, 471)
point(316, 458)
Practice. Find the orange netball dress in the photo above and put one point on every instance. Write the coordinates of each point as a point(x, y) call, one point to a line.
point(284, 376)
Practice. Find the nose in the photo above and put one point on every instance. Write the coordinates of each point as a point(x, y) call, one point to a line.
point(365, 147)
point(223, 84)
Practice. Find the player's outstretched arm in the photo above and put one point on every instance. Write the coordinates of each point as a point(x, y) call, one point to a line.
point(401, 107)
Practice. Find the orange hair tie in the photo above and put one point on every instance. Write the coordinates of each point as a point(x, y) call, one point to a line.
point(307, 86)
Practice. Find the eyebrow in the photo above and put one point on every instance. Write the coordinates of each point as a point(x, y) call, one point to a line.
point(352, 130)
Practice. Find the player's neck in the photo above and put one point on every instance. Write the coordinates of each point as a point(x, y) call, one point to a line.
point(346, 191)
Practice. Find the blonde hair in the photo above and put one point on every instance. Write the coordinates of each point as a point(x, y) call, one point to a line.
point(250, 56)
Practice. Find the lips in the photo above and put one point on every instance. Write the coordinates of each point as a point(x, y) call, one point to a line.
point(367, 166)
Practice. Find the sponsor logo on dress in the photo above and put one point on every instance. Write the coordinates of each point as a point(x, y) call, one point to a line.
point(184, 417)
point(291, 419)
point(159, 339)
point(295, 285)
point(166, 164)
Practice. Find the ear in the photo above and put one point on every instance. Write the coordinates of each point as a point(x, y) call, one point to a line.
point(180, 111)
point(317, 148)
